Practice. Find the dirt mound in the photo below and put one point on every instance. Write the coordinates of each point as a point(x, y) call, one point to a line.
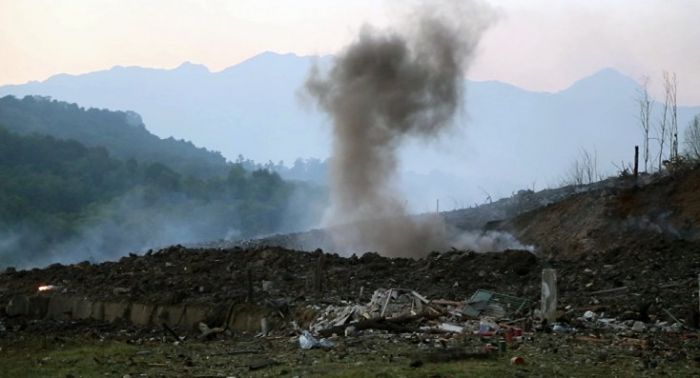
point(180, 275)
point(666, 208)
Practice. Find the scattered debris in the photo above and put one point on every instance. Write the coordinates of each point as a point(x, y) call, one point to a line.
point(172, 333)
point(386, 304)
point(307, 341)
point(562, 328)
point(447, 327)
point(209, 332)
point(590, 316)
point(488, 303)
point(670, 315)
point(638, 326)
point(487, 327)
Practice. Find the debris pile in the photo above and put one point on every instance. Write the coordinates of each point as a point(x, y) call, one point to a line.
point(448, 306)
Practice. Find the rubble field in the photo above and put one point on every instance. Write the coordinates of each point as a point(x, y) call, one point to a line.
point(637, 310)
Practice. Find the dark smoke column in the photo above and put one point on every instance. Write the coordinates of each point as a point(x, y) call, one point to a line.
point(387, 86)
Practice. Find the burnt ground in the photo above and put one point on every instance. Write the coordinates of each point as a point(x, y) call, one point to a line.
point(624, 250)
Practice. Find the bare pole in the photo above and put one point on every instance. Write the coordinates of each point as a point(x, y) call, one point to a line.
point(673, 94)
point(663, 122)
point(645, 103)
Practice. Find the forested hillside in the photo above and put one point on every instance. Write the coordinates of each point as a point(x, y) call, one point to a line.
point(123, 134)
point(63, 201)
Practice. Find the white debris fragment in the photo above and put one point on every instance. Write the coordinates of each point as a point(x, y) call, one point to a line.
point(454, 328)
point(307, 341)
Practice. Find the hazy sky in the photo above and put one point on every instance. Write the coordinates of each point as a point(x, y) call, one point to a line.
point(536, 44)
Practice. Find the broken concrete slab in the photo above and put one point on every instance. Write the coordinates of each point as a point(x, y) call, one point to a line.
point(170, 315)
point(38, 306)
point(116, 311)
point(142, 314)
point(17, 306)
point(60, 307)
point(192, 316)
point(246, 317)
point(82, 308)
point(98, 311)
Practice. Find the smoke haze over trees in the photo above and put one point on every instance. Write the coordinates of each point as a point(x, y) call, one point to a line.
point(63, 201)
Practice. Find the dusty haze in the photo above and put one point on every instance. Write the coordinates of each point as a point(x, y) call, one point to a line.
point(385, 87)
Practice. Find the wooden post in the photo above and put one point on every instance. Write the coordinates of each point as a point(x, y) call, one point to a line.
point(549, 295)
point(264, 326)
point(636, 161)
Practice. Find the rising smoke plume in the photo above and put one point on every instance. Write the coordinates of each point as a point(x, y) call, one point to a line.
point(387, 86)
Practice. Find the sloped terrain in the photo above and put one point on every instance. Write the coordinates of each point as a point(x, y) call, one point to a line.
point(615, 218)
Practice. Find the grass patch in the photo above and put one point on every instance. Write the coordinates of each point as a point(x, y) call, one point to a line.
point(90, 357)
point(55, 358)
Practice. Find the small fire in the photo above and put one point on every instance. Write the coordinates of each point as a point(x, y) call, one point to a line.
point(47, 287)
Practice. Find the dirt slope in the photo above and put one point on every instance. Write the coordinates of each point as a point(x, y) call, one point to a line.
point(668, 208)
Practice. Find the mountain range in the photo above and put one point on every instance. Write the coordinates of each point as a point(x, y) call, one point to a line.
point(506, 138)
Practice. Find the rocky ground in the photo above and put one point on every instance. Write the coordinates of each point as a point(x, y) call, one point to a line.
point(649, 288)
point(654, 275)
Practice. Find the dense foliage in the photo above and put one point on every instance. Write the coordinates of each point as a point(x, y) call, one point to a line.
point(310, 170)
point(123, 134)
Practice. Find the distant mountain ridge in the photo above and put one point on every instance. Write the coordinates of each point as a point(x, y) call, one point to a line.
point(507, 138)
